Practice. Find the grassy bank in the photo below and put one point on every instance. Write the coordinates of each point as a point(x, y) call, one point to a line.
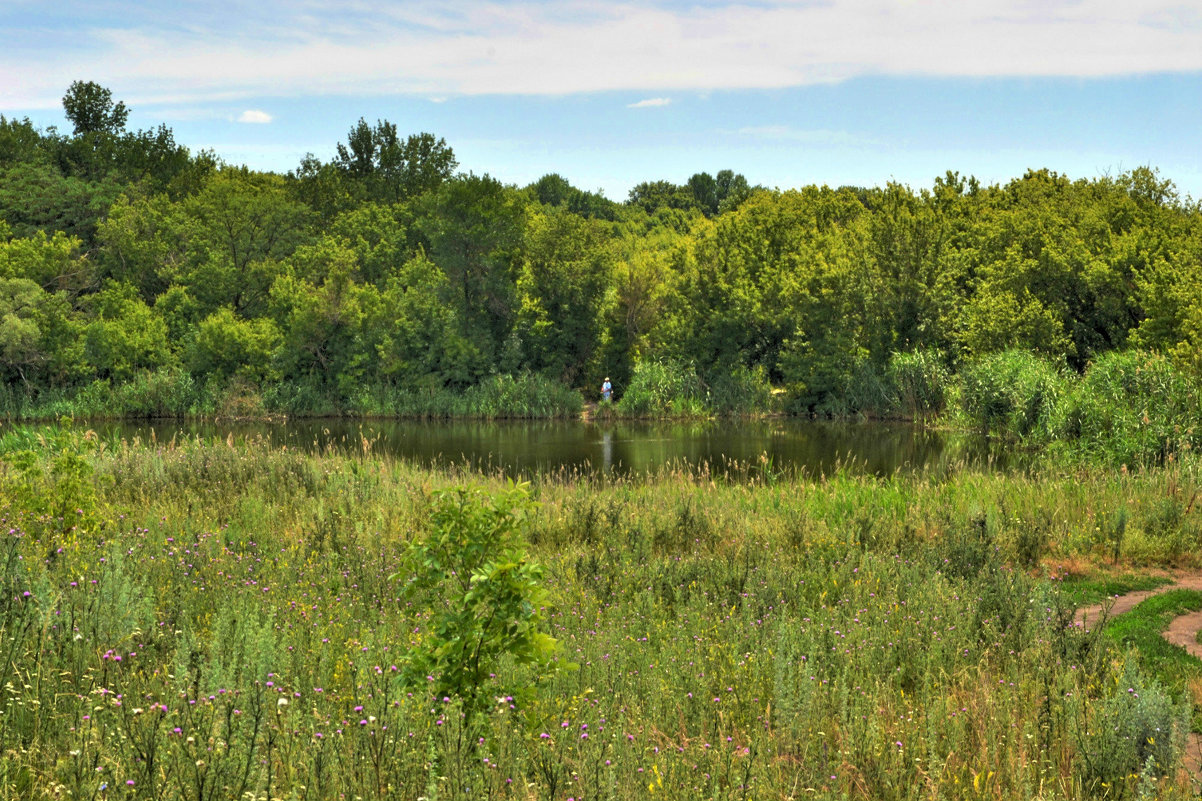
point(210, 620)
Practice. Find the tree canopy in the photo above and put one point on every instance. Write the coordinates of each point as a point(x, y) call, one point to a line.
point(383, 269)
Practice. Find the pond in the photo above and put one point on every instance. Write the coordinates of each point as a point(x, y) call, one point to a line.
point(617, 448)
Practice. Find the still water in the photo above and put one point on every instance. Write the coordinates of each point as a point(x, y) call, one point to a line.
point(620, 449)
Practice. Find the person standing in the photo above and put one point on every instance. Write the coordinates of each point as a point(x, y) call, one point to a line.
point(607, 390)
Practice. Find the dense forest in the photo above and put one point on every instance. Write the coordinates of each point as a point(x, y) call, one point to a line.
point(139, 277)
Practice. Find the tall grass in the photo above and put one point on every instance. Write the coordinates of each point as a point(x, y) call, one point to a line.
point(667, 389)
point(1131, 408)
point(921, 383)
point(663, 389)
point(175, 394)
point(163, 393)
point(227, 619)
point(1013, 394)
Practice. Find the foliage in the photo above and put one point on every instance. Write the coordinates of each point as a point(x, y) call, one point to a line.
point(743, 391)
point(1132, 408)
point(1013, 393)
point(487, 597)
point(922, 381)
point(1137, 723)
point(377, 269)
point(662, 389)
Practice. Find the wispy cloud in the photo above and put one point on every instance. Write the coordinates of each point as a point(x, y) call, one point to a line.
point(650, 102)
point(255, 116)
point(422, 47)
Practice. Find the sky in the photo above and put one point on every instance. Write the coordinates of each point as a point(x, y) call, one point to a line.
point(610, 94)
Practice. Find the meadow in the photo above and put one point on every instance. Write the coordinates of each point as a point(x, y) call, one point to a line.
point(210, 619)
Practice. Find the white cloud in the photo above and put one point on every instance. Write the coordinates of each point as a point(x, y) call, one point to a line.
point(650, 102)
point(255, 117)
point(436, 49)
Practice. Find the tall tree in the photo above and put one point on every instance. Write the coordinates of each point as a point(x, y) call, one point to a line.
point(389, 169)
point(91, 109)
point(474, 226)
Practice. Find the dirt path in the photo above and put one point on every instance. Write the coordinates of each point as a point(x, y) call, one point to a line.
point(1125, 603)
point(1183, 632)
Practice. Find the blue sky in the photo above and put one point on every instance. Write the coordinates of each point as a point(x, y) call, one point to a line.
point(788, 92)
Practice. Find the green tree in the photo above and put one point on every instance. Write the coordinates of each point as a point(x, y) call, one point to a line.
point(35, 196)
point(326, 343)
point(651, 196)
point(20, 141)
point(124, 336)
point(90, 108)
point(145, 241)
point(53, 262)
point(241, 225)
point(487, 599)
point(563, 282)
point(22, 350)
point(224, 345)
point(421, 341)
point(389, 169)
point(474, 227)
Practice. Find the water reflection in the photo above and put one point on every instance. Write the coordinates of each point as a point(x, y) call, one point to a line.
point(621, 448)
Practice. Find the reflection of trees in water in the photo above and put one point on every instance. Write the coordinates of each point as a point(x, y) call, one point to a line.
point(737, 449)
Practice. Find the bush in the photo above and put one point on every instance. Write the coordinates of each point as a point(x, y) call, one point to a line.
point(1132, 408)
point(486, 597)
point(522, 396)
point(920, 383)
point(1137, 724)
point(663, 389)
point(867, 391)
point(1013, 393)
point(744, 390)
point(502, 396)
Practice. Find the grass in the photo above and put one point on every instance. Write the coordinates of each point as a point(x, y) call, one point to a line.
point(1142, 628)
point(846, 637)
point(1093, 590)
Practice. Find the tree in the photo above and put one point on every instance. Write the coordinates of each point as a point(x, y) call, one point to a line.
point(21, 346)
point(125, 336)
point(20, 141)
point(486, 596)
point(241, 224)
point(225, 345)
point(422, 342)
point(651, 196)
point(390, 170)
point(326, 344)
point(36, 196)
point(145, 241)
point(90, 108)
point(554, 190)
point(52, 262)
point(474, 226)
point(565, 274)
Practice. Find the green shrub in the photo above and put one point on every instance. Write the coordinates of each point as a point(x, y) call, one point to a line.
point(744, 390)
point(663, 389)
point(866, 391)
point(1131, 408)
point(1137, 723)
point(1013, 394)
point(521, 396)
point(486, 597)
point(920, 382)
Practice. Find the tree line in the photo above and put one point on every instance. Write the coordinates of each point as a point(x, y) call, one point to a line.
point(385, 269)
